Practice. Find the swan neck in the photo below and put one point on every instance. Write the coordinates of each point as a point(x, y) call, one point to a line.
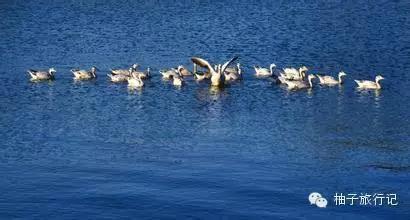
point(378, 84)
point(93, 72)
point(302, 73)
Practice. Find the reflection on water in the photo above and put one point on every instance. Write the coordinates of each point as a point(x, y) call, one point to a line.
point(212, 94)
point(215, 92)
point(82, 82)
point(135, 90)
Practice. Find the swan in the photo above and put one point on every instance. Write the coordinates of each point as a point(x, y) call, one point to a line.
point(199, 76)
point(367, 84)
point(167, 74)
point(330, 80)
point(120, 77)
point(298, 84)
point(177, 80)
point(42, 75)
point(124, 71)
point(233, 73)
point(143, 75)
point(264, 72)
point(294, 74)
point(183, 71)
point(84, 74)
point(135, 81)
point(216, 73)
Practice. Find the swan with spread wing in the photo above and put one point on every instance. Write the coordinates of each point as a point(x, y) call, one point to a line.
point(217, 78)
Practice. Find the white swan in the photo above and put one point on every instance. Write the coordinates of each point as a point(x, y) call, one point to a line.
point(120, 77)
point(264, 72)
point(216, 73)
point(135, 81)
point(367, 84)
point(183, 71)
point(330, 80)
point(84, 74)
point(294, 74)
point(37, 75)
point(298, 84)
point(124, 71)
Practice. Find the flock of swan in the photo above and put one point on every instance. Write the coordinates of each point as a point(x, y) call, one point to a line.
point(218, 75)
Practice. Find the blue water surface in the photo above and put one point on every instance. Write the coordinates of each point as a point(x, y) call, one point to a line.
point(253, 150)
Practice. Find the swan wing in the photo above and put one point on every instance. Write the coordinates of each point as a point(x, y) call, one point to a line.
point(42, 74)
point(365, 83)
point(32, 71)
point(231, 70)
point(290, 71)
point(82, 73)
point(120, 72)
point(282, 79)
point(202, 63)
point(228, 63)
point(327, 79)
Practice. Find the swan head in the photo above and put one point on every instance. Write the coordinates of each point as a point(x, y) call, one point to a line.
point(303, 69)
point(93, 71)
point(272, 66)
point(341, 73)
point(52, 70)
point(379, 77)
point(179, 69)
point(135, 65)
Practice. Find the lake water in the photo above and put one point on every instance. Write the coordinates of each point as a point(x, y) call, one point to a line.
point(253, 150)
